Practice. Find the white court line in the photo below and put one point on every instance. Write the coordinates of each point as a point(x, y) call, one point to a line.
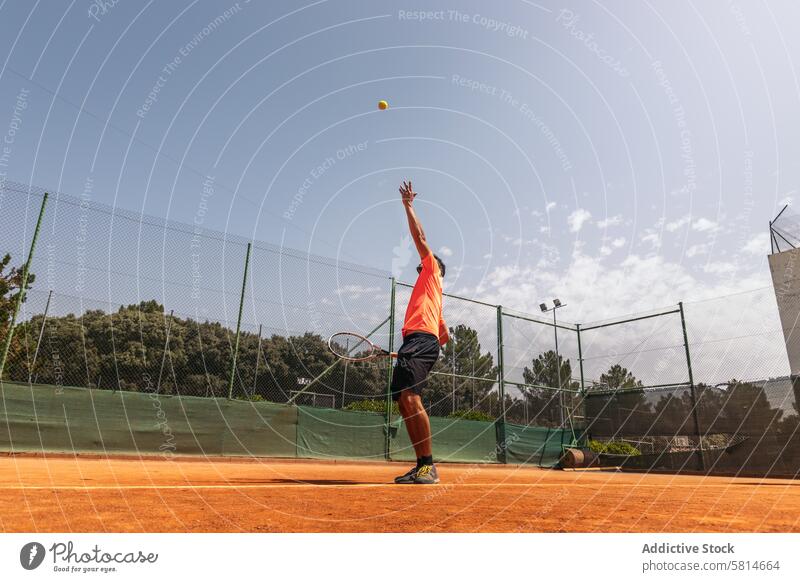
point(443, 486)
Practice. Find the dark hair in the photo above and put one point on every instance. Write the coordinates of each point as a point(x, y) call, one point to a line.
point(441, 264)
point(438, 260)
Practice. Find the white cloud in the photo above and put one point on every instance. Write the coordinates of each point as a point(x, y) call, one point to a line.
point(696, 250)
point(610, 221)
point(676, 224)
point(636, 284)
point(577, 219)
point(547, 260)
point(356, 291)
point(705, 225)
point(445, 251)
point(699, 225)
point(544, 229)
point(718, 305)
point(758, 245)
point(616, 243)
point(517, 241)
point(550, 206)
point(653, 238)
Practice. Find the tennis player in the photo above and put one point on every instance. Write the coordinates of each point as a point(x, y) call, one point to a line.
point(424, 330)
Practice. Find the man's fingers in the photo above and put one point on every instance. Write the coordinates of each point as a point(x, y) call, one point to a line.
point(407, 191)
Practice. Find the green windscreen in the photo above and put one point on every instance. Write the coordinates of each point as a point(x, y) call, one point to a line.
point(49, 418)
point(325, 433)
point(533, 445)
point(455, 441)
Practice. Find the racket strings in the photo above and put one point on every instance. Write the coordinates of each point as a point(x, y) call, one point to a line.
point(352, 346)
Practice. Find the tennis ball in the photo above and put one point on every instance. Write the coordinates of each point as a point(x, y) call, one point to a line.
point(382, 105)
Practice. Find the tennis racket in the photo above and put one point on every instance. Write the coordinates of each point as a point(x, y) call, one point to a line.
point(354, 347)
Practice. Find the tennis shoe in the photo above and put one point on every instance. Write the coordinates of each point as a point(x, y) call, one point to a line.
point(426, 475)
point(408, 478)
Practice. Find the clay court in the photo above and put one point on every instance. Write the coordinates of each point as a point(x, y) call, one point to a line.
point(95, 494)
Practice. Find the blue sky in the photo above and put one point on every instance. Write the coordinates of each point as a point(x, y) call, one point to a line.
point(621, 155)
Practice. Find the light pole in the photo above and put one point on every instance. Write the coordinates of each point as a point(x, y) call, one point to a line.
point(556, 306)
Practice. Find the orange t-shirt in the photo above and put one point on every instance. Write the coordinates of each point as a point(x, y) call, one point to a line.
point(424, 311)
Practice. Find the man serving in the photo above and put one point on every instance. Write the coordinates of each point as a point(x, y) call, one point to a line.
point(424, 330)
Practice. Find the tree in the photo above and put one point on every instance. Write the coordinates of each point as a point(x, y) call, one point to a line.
point(546, 375)
point(549, 371)
point(10, 290)
point(746, 405)
point(141, 348)
point(619, 377)
point(10, 285)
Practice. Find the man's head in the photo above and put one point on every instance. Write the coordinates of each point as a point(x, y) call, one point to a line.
point(438, 260)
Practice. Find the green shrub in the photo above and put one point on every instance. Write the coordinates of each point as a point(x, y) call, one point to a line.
point(614, 448)
point(369, 405)
point(596, 446)
point(251, 397)
point(471, 415)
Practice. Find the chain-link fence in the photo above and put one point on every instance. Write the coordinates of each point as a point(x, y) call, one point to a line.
point(143, 304)
point(737, 413)
point(541, 364)
point(124, 301)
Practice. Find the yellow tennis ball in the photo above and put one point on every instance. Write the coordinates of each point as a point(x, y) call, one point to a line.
point(383, 105)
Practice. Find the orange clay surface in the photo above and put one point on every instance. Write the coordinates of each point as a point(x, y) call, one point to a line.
point(94, 494)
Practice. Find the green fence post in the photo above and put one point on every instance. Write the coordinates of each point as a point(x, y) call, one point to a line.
point(692, 391)
point(501, 390)
point(26, 269)
point(239, 323)
point(258, 357)
point(580, 357)
point(581, 404)
point(388, 415)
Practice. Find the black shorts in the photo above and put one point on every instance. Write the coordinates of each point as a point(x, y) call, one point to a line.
point(415, 358)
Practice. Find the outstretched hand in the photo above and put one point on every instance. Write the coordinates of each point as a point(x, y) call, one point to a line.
point(414, 227)
point(407, 193)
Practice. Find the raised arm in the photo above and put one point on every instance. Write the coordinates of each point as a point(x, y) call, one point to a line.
point(414, 225)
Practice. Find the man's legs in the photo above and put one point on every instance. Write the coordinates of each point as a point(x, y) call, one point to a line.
point(417, 423)
point(415, 359)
